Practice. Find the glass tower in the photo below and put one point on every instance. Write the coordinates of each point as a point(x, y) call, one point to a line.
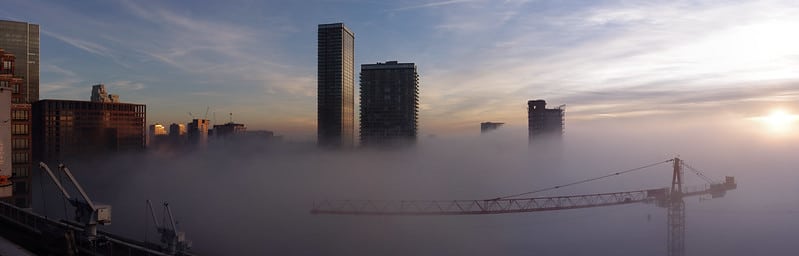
point(22, 40)
point(335, 86)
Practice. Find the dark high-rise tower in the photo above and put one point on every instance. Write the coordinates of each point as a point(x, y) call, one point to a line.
point(335, 86)
point(389, 103)
point(22, 40)
point(543, 121)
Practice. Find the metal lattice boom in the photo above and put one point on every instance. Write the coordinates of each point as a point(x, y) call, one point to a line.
point(471, 207)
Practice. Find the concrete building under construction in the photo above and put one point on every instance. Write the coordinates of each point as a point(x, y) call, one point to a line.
point(544, 122)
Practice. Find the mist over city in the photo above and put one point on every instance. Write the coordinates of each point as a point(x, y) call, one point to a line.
point(420, 127)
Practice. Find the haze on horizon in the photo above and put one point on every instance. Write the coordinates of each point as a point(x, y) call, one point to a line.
point(233, 200)
point(479, 60)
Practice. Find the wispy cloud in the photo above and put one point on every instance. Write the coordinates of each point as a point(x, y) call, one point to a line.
point(91, 47)
point(601, 51)
point(479, 59)
point(125, 85)
point(81, 44)
point(433, 4)
point(202, 46)
point(62, 81)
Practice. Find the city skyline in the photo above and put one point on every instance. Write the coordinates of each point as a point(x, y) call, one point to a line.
point(605, 59)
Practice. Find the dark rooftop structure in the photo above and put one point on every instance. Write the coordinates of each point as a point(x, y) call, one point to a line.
point(543, 121)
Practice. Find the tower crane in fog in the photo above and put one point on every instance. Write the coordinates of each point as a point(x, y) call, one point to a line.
point(87, 212)
point(669, 198)
point(175, 242)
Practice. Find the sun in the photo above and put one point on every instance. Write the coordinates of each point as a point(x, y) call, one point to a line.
point(779, 121)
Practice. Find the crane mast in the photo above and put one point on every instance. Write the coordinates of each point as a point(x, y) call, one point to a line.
point(175, 242)
point(669, 198)
point(676, 214)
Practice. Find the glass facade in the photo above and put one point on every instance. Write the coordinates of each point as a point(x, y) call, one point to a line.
point(336, 86)
point(67, 129)
point(22, 40)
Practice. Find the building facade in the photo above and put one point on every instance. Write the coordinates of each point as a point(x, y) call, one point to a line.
point(335, 86)
point(69, 129)
point(157, 134)
point(177, 130)
point(229, 129)
point(389, 103)
point(544, 122)
point(16, 146)
point(157, 129)
point(197, 133)
point(22, 40)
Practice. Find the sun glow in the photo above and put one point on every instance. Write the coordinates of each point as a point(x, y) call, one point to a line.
point(779, 121)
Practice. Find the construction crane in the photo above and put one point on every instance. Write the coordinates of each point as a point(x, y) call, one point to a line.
point(86, 212)
point(669, 198)
point(174, 242)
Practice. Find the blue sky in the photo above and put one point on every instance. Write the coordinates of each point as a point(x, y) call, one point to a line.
point(479, 60)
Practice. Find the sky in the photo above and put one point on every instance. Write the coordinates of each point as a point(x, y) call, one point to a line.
point(478, 60)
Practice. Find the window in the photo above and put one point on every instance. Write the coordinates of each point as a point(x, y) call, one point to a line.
point(20, 143)
point(20, 172)
point(19, 115)
point(19, 157)
point(19, 129)
point(7, 64)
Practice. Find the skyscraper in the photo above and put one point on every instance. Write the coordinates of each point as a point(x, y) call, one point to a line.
point(335, 86)
point(543, 121)
point(389, 103)
point(22, 40)
point(198, 132)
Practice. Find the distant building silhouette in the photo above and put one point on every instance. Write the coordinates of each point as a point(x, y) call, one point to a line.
point(158, 129)
point(177, 130)
point(198, 132)
point(335, 86)
point(22, 40)
point(157, 134)
point(489, 126)
point(543, 121)
point(229, 129)
point(389, 103)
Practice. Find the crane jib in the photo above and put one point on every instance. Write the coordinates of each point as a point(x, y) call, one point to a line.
point(519, 205)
